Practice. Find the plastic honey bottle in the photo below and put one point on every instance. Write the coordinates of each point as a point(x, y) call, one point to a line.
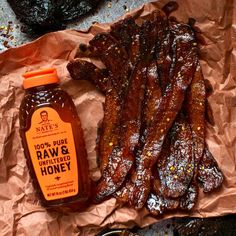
point(53, 141)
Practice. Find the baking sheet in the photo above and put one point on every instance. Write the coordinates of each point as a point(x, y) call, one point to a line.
point(21, 211)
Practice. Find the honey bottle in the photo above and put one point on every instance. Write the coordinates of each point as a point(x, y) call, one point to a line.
point(53, 141)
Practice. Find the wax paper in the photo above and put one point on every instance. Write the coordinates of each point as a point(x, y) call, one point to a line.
point(20, 210)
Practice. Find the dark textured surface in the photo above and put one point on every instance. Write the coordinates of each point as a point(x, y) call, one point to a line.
point(48, 15)
point(107, 11)
point(219, 226)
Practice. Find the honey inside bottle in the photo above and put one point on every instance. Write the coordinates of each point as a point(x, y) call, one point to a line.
point(53, 141)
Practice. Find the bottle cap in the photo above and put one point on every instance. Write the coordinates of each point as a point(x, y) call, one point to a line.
point(40, 77)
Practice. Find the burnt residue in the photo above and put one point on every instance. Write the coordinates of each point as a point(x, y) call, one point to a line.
point(49, 15)
point(218, 226)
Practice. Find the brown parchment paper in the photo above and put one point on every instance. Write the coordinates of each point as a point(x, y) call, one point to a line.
point(20, 211)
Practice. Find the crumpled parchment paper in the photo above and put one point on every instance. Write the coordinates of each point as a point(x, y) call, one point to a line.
point(20, 211)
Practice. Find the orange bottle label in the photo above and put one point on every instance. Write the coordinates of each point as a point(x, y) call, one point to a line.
point(52, 150)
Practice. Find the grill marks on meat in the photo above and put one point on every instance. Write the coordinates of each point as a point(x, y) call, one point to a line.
point(152, 142)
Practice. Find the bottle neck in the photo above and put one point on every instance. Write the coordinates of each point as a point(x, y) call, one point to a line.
point(42, 88)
